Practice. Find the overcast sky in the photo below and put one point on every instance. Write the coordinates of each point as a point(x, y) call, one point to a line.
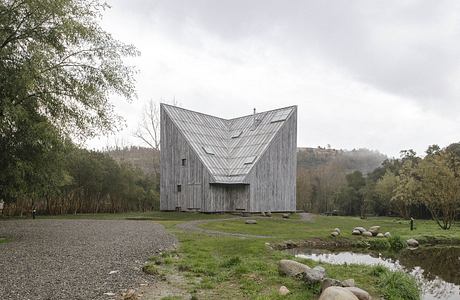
point(384, 75)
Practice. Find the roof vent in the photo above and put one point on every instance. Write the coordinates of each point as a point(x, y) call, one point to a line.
point(249, 160)
point(280, 116)
point(208, 150)
point(236, 134)
point(255, 121)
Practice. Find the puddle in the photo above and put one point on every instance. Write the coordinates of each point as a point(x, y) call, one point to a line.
point(436, 269)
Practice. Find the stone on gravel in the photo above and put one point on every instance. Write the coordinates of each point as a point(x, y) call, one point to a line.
point(348, 282)
point(327, 282)
point(286, 216)
point(334, 234)
point(412, 243)
point(387, 234)
point(359, 293)
point(251, 222)
point(283, 291)
point(337, 293)
point(380, 235)
point(313, 276)
point(110, 294)
point(367, 233)
point(361, 229)
point(291, 268)
point(113, 272)
point(356, 232)
point(337, 230)
point(374, 230)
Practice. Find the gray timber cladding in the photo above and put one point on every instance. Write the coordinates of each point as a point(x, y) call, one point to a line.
point(211, 164)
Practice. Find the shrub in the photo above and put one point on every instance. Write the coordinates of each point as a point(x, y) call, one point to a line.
point(398, 285)
point(233, 261)
point(396, 243)
point(379, 244)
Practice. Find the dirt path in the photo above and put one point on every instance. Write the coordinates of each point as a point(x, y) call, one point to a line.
point(76, 259)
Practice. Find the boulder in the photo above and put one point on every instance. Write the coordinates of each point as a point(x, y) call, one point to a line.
point(374, 230)
point(286, 216)
point(321, 270)
point(387, 234)
point(348, 282)
point(337, 293)
point(327, 282)
point(380, 235)
point(412, 243)
point(367, 233)
point(337, 230)
point(262, 214)
point(291, 268)
point(359, 293)
point(334, 234)
point(250, 222)
point(283, 291)
point(313, 276)
point(268, 214)
point(361, 229)
point(356, 232)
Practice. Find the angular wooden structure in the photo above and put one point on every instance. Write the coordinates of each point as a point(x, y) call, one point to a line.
point(210, 164)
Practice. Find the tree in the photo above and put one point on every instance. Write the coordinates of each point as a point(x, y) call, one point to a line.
point(58, 69)
point(384, 190)
point(439, 187)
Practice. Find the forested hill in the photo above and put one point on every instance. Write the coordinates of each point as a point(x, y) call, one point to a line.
point(363, 160)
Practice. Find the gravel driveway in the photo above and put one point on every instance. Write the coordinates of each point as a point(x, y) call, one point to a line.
point(73, 259)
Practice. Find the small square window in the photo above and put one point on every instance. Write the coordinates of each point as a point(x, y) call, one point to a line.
point(184, 161)
point(179, 188)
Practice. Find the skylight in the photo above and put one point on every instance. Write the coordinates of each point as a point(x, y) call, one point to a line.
point(236, 134)
point(249, 160)
point(208, 150)
point(280, 116)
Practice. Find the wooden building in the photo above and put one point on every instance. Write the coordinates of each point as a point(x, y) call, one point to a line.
point(210, 164)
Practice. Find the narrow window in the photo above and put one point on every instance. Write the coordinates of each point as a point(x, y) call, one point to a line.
point(184, 160)
point(179, 188)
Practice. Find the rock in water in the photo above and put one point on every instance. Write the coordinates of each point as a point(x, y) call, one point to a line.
point(283, 291)
point(334, 234)
point(291, 268)
point(359, 293)
point(374, 230)
point(327, 282)
point(356, 232)
point(348, 283)
point(337, 293)
point(387, 234)
point(251, 222)
point(412, 243)
point(367, 233)
point(313, 276)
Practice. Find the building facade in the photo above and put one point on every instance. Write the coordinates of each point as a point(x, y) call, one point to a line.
point(210, 164)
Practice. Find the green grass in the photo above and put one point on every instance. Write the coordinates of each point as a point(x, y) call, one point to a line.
point(322, 226)
point(3, 240)
point(396, 285)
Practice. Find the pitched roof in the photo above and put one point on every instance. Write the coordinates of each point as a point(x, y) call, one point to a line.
point(229, 148)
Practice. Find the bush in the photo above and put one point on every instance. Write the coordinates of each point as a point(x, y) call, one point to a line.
point(396, 243)
point(233, 261)
point(379, 244)
point(396, 285)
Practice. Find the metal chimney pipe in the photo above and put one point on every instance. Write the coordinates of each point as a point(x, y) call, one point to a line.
point(254, 117)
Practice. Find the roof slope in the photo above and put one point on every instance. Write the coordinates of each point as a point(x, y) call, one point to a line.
point(228, 148)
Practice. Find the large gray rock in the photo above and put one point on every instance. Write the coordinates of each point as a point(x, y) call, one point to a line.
point(361, 229)
point(337, 293)
point(292, 268)
point(367, 233)
point(320, 269)
point(348, 282)
point(268, 214)
point(251, 222)
point(359, 293)
point(334, 234)
point(356, 232)
point(327, 282)
point(337, 230)
point(313, 276)
point(286, 216)
point(380, 235)
point(412, 243)
point(374, 230)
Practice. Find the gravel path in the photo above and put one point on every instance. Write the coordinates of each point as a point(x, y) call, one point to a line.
point(72, 259)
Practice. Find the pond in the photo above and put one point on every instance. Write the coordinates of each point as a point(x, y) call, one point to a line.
point(437, 269)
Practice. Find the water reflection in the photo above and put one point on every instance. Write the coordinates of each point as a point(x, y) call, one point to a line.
point(436, 269)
